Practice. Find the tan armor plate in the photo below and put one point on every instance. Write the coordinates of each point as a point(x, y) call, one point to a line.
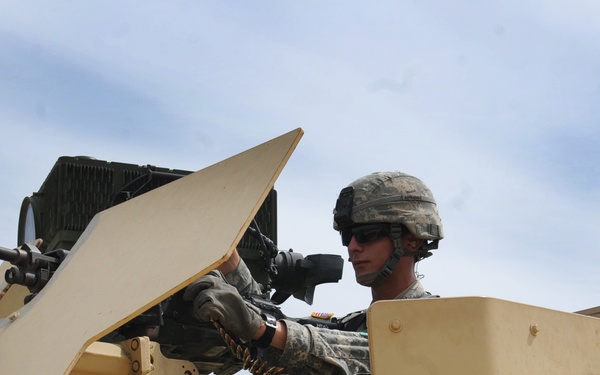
point(478, 335)
point(136, 254)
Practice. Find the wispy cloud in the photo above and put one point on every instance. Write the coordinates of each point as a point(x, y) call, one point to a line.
point(493, 106)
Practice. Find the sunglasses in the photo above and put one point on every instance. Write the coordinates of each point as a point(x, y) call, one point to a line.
point(364, 233)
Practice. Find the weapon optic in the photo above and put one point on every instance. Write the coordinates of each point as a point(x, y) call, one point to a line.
point(293, 274)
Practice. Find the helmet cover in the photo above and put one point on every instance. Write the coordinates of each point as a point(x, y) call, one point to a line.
point(390, 197)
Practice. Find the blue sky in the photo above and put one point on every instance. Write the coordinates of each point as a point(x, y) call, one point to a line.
point(494, 106)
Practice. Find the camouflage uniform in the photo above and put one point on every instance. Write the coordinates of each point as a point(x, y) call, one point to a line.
point(357, 321)
point(312, 350)
point(394, 198)
point(242, 280)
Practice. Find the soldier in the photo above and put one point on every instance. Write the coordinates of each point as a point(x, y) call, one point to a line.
point(388, 221)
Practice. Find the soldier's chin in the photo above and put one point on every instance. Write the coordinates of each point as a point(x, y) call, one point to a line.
point(366, 279)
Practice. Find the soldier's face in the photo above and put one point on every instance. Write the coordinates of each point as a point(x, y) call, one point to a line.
point(369, 257)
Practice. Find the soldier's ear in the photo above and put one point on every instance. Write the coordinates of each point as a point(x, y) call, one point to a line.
point(413, 243)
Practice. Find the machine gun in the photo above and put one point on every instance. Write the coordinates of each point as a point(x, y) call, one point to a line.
point(57, 332)
point(79, 187)
point(31, 268)
point(171, 322)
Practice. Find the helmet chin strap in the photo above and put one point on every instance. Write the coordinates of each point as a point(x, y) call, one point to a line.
point(375, 278)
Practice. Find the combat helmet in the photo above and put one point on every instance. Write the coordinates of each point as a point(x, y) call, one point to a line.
point(393, 198)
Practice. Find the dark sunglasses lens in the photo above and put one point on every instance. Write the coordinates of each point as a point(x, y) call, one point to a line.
point(346, 236)
point(368, 234)
point(363, 234)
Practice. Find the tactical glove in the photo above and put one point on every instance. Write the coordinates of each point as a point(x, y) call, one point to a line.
point(215, 299)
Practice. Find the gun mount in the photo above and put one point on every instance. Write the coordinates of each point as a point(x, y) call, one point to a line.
point(442, 335)
point(77, 188)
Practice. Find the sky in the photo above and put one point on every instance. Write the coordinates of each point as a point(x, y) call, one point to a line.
point(494, 105)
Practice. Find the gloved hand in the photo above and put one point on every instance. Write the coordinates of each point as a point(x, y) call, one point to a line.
point(215, 299)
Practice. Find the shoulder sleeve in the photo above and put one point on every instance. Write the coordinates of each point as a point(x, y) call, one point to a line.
point(242, 280)
point(312, 350)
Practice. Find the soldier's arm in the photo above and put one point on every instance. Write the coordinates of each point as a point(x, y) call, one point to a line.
point(312, 350)
point(237, 274)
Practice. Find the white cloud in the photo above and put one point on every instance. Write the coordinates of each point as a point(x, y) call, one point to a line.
point(493, 106)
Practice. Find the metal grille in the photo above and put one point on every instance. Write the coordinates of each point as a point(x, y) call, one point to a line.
point(77, 188)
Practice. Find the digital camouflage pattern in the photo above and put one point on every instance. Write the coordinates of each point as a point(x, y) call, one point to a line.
point(310, 350)
point(243, 281)
point(395, 197)
point(319, 351)
point(322, 351)
point(383, 197)
point(357, 321)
